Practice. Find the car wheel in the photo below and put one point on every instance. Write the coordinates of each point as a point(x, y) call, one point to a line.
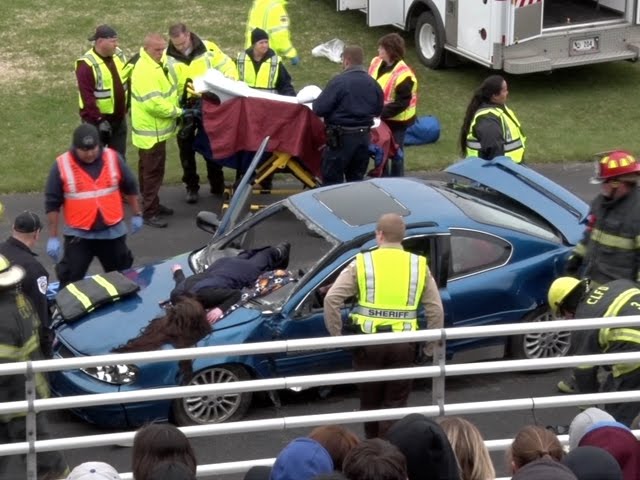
point(429, 41)
point(213, 409)
point(541, 344)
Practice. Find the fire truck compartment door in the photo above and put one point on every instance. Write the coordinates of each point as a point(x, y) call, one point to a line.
point(342, 5)
point(385, 12)
point(525, 20)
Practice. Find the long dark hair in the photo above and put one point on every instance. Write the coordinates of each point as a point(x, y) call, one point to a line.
point(490, 87)
point(157, 443)
point(182, 326)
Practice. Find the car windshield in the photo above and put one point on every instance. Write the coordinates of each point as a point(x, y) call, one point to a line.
point(269, 227)
point(488, 206)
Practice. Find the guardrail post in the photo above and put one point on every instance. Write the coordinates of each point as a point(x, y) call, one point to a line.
point(438, 383)
point(30, 391)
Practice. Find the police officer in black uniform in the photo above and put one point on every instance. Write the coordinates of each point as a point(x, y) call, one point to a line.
point(349, 103)
point(18, 250)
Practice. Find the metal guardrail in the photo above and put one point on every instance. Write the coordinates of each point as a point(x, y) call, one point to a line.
point(438, 372)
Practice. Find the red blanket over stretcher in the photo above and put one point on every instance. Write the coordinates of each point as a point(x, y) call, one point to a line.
point(242, 123)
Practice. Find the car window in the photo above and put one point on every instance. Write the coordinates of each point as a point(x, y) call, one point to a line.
point(492, 208)
point(473, 251)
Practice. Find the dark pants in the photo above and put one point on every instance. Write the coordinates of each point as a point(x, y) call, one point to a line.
point(150, 176)
point(397, 161)
point(623, 412)
point(113, 255)
point(119, 137)
point(190, 177)
point(51, 465)
point(380, 395)
point(348, 160)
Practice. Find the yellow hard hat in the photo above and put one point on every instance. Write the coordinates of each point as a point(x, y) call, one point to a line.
point(9, 274)
point(560, 290)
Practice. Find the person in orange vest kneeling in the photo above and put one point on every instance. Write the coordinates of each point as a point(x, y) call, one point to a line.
point(89, 182)
point(400, 87)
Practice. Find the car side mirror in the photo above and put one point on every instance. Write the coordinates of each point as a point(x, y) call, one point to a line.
point(207, 221)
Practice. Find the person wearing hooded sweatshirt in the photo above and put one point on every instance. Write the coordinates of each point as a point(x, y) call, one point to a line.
point(592, 463)
point(544, 469)
point(426, 448)
point(618, 440)
point(302, 459)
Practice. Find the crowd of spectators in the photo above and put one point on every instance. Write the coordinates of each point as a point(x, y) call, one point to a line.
point(414, 448)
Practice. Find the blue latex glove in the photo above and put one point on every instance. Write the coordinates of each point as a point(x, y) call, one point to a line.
point(53, 248)
point(136, 224)
point(295, 61)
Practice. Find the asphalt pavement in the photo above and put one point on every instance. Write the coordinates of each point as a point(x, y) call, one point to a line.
point(152, 244)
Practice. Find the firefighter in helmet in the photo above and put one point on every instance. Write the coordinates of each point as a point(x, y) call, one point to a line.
point(572, 298)
point(610, 247)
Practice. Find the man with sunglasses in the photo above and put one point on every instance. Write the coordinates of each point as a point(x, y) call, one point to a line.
point(89, 183)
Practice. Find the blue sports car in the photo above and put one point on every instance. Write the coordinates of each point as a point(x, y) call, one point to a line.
point(495, 235)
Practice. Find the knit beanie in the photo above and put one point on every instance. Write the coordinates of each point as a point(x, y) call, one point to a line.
point(258, 34)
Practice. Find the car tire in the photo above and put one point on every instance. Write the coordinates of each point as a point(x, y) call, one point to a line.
point(207, 410)
point(542, 344)
point(429, 39)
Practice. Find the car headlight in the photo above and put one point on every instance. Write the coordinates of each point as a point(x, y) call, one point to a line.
point(113, 374)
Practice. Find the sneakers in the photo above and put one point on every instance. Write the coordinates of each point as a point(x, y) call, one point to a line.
point(155, 222)
point(283, 255)
point(191, 196)
point(164, 211)
point(568, 385)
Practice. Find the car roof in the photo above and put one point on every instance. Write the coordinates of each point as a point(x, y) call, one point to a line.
point(352, 209)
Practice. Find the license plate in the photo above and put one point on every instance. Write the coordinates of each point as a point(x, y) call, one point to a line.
point(581, 46)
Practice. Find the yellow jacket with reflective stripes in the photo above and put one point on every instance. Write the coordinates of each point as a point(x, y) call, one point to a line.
point(614, 299)
point(514, 139)
point(271, 16)
point(207, 55)
point(19, 342)
point(266, 76)
point(390, 286)
point(104, 81)
point(390, 80)
point(154, 102)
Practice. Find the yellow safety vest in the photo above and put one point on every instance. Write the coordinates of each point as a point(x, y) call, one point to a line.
point(390, 80)
point(154, 103)
point(514, 139)
point(390, 286)
point(266, 76)
point(103, 91)
point(271, 16)
point(213, 57)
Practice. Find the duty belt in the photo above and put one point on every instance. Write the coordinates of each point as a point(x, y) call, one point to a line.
point(341, 129)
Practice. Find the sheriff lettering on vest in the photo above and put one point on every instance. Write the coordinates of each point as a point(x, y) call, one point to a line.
point(389, 284)
point(88, 182)
point(102, 76)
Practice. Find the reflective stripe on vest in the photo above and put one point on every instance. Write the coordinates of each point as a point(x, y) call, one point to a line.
point(390, 285)
point(614, 241)
point(514, 139)
point(264, 78)
point(103, 91)
point(271, 17)
point(390, 80)
point(84, 197)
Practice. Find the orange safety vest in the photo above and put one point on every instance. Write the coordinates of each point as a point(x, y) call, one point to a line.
point(84, 197)
point(389, 81)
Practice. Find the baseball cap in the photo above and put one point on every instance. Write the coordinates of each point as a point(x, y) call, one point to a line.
point(94, 471)
point(86, 137)
point(27, 222)
point(103, 31)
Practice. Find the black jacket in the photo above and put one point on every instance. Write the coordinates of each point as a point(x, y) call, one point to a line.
point(36, 279)
point(350, 99)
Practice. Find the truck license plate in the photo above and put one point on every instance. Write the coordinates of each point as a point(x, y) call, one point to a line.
point(585, 45)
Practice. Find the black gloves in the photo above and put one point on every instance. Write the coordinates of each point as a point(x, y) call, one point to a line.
point(572, 267)
point(104, 129)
